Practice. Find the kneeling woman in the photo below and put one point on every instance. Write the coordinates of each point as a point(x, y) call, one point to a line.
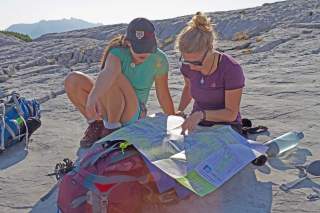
point(213, 79)
point(130, 65)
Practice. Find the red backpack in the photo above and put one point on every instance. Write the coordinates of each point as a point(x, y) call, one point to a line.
point(110, 179)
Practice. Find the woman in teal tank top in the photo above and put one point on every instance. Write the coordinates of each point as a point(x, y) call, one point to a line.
point(130, 65)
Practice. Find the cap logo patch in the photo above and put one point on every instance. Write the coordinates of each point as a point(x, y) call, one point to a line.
point(139, 34)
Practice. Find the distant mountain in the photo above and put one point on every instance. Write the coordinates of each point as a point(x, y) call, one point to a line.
point(51, 26)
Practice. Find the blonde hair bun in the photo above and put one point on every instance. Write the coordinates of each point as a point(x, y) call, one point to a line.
point(201, 21)
point(198, 35)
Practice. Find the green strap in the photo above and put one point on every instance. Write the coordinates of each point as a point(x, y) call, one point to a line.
point(126, 154)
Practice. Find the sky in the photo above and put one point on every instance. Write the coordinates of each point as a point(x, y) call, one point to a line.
point(111, 11)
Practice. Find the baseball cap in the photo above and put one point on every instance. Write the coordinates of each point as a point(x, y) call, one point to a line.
point(141, 34)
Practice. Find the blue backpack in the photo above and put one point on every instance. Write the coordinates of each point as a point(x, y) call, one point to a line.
point(19, 118)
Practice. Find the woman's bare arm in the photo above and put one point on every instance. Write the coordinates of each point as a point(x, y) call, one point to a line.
point(231, 110)
point(163, 94)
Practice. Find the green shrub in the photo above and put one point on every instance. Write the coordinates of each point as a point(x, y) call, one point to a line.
point(20, 36)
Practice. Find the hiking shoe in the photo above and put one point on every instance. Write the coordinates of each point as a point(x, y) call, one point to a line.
point(92, 134)
point(104, 132)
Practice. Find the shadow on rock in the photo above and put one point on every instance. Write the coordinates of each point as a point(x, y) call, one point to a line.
point(12, 155)
point(47, 203)
point(290, 159)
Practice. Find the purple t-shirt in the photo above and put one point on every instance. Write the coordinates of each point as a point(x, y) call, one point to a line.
point(209, 93)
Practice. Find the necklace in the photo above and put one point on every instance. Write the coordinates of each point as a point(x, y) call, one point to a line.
point(202, 77)
point(132, 65)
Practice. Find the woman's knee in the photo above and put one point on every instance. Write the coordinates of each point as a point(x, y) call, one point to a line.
point(71, 81)
point(75, 80)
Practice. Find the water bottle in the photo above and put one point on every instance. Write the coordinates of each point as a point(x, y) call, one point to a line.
point(283, 143)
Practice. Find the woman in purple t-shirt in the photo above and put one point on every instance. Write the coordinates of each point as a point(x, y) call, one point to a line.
point(213, 79)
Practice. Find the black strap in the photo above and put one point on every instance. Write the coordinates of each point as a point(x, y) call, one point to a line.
point(219, 57)
point(254, 130)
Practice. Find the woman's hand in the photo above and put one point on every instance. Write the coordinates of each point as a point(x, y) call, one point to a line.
point(192, 121)
point(93, 107)
point(181, 114)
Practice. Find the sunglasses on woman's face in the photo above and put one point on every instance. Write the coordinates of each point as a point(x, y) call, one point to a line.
point(197, 63)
